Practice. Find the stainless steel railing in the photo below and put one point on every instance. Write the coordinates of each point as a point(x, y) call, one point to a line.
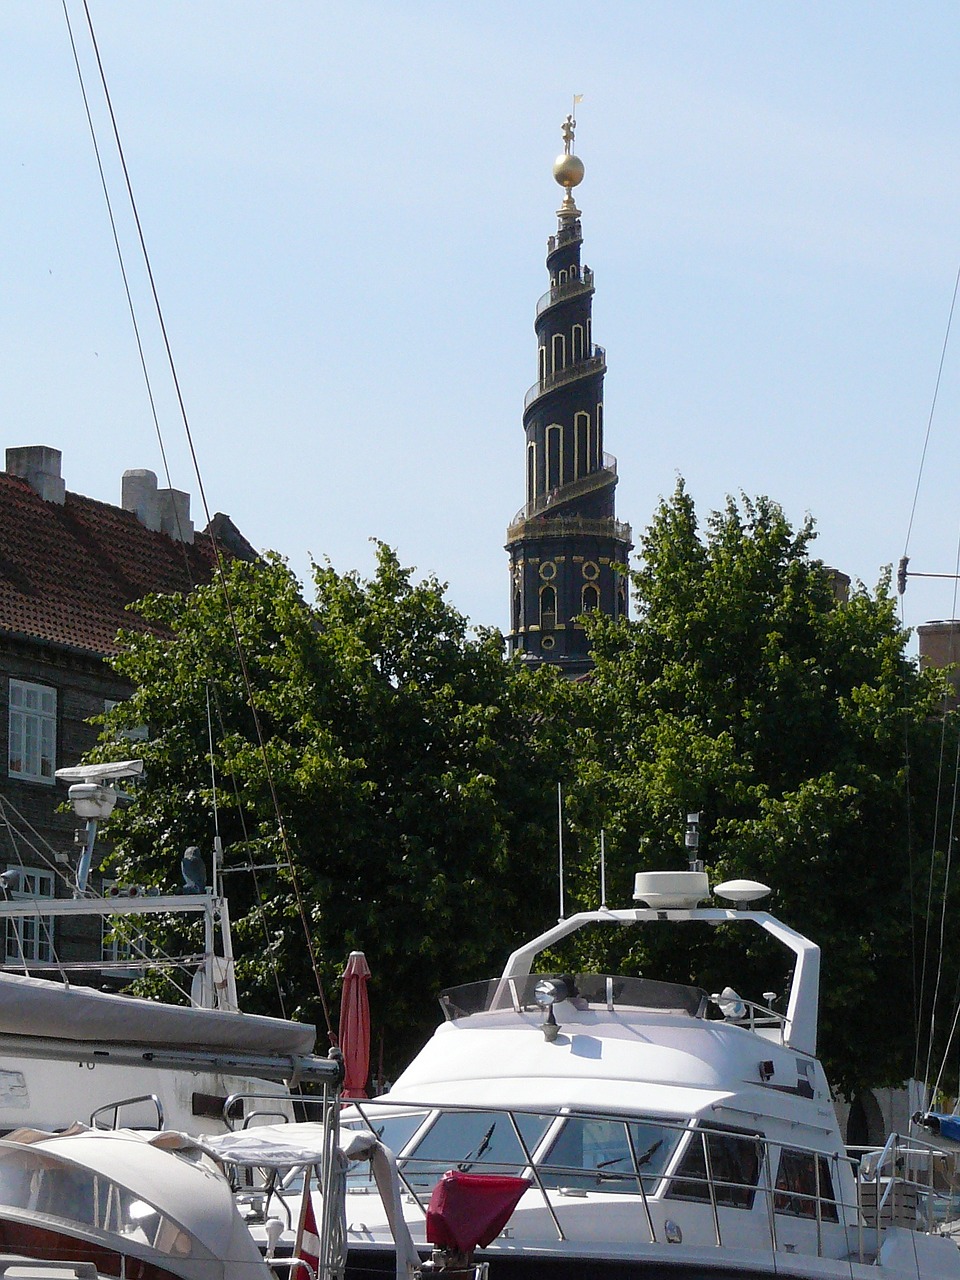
point(835, 1216)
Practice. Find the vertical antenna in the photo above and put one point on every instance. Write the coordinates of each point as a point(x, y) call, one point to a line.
point(560, 840)
point(603, 872)
point(217, 842)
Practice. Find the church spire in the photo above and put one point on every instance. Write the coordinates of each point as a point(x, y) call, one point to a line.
point(567, 549)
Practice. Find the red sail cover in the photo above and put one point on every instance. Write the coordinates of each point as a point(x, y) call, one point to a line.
point(467, 1209)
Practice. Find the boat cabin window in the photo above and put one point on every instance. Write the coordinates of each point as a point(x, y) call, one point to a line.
point(48, 1185)
point(734, 1157)
point(609, 1155)
point(473, 1142)
point(796, 1189)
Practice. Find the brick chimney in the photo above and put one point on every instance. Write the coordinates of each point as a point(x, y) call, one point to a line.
point(39, 465)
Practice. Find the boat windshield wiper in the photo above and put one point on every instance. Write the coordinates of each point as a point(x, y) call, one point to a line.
point(473, 1156)
point(605, 1164)
point(649, 1153)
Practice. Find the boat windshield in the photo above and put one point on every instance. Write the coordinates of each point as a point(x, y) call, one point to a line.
point(37, 1182)
point(474, 1142)
point(394, 1131)
point(594, 991)
point(593, 1154)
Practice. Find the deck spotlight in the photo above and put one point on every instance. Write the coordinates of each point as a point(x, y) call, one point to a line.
point(730, 1005)
point(547, 993)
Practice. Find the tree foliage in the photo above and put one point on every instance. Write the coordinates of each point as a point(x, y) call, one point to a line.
point(410, 765)
point(749, 689)
point(416, 772)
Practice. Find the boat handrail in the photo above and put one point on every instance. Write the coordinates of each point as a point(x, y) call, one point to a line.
point(828, 1205)
point(115, 1108)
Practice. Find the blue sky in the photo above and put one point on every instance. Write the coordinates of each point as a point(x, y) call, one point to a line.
point(346, 209)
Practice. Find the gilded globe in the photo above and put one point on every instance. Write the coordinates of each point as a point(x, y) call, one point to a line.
point(568, 170)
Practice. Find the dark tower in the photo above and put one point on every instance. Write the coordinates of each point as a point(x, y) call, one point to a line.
point(565, 543)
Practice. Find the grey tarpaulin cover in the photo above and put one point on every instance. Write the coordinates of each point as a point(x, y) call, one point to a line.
point(38, 1007)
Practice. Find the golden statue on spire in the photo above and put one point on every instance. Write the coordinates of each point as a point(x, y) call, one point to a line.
point(568, 169)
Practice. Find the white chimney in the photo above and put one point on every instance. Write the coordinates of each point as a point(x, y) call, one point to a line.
point(160, 510)
point(175, 514)
point(39, 465)
point(138, 493)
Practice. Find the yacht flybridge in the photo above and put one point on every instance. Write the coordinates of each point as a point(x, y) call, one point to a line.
point(648, 1128)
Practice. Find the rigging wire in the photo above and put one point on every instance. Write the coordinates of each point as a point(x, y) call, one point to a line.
point(947, 869)
point(928, 914)
point(218, 558)
point(124, 276)
point(42, 852)
point(268, 949)
point(933, 408)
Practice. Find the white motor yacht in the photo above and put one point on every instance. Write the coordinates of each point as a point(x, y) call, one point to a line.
point(653, 1129)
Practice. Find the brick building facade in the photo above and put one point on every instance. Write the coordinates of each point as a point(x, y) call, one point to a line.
point(69, 568)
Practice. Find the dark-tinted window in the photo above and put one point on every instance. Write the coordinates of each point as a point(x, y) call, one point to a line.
point(796, 1191)
point(734, 1164)
point(608, 1155)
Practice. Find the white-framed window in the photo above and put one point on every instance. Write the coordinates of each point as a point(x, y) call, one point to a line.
point(32, 741)
point(583, 464)
point(559, 352)
point(577, 343)
point(29, 938)
point(554, 456)
point(140, 733)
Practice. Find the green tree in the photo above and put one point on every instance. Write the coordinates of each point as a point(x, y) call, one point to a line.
point(412, 766)
point(747, 689)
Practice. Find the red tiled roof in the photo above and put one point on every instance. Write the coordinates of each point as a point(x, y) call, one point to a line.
point(68, 572)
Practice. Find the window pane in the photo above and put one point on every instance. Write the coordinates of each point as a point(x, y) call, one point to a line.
point(598, 1155)
point(31, 937)
point(796, 1190)
point(32, 735)
point(734, 1164)
point(473, 1142)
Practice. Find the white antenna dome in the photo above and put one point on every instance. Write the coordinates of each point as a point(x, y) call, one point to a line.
point(741, 890)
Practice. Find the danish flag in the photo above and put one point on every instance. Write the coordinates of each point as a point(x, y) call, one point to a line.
point(309, 1246)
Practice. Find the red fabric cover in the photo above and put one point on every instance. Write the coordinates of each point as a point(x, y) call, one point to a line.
point(467, 1209)
point(355, 1026)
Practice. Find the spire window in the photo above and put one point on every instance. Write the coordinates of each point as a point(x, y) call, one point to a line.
point(531, 471)
point(548, 608)
point(589, 598)
point(577, 343)
point(559, 352)
point(542, 364)
point(581, 431)
point(554, 456)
